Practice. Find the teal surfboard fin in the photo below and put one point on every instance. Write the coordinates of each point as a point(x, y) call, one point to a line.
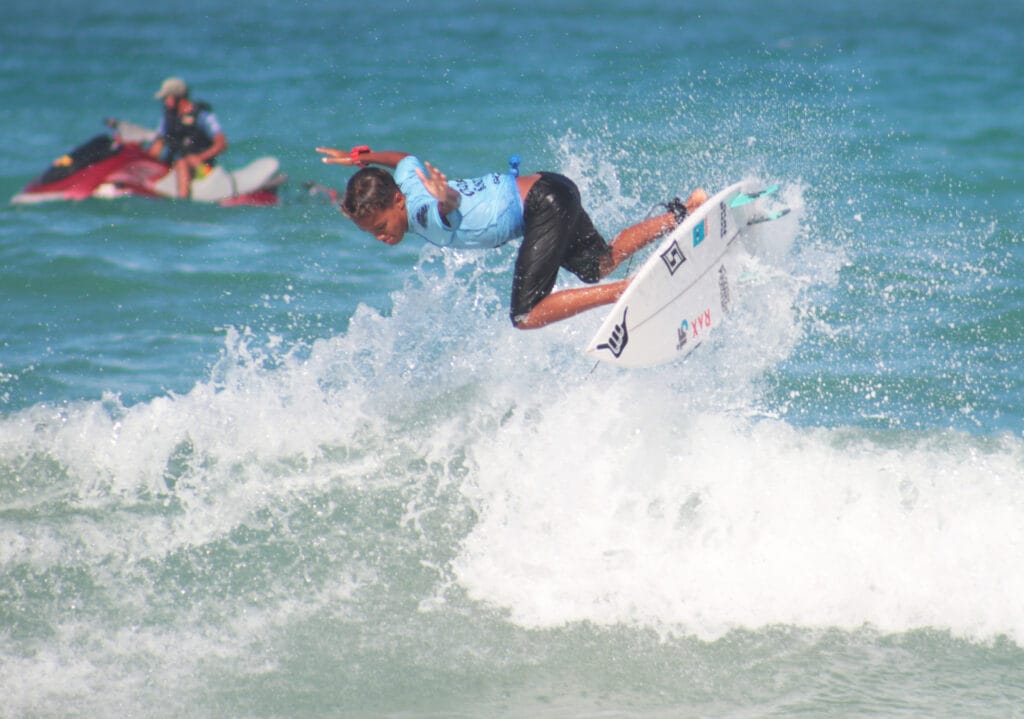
point(769, 217)
point(744, 198)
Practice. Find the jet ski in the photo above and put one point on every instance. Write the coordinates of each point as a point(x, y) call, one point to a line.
point(115, 164)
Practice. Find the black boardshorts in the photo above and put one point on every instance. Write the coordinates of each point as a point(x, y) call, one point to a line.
point(558, 232)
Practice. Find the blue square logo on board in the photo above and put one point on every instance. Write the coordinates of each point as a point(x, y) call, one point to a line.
point(699, 230)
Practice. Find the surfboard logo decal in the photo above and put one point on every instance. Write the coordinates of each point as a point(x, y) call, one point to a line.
point(681, 333)
point(724, 216)
point(618, 339)
point(700, 231)
point(723, 287)
point(692, 329)
point(673, 258)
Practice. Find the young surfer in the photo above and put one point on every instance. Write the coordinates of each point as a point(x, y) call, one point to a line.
point(543, 208)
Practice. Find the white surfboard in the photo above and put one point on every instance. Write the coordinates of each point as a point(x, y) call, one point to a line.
point(685, 288)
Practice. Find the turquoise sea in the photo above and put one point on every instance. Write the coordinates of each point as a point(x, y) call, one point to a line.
point(254, 463)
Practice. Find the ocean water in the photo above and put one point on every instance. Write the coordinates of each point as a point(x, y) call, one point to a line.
point(255, 464)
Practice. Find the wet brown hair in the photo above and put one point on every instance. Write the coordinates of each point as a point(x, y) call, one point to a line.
point(368, 191)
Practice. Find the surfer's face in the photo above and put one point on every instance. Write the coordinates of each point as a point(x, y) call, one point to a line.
point(388, 225)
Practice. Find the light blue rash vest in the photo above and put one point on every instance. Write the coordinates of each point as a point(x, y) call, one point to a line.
point(490, 211)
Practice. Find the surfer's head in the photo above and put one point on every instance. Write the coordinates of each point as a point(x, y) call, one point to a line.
point(375, 203)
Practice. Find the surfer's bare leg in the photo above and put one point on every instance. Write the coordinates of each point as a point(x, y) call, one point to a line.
point(643, 233)
point(633, 238)
point(568, 303)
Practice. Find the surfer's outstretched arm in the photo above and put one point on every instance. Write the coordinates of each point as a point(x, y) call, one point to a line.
point(361, 156)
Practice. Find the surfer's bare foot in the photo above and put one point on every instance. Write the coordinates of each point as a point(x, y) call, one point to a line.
point(697, 198)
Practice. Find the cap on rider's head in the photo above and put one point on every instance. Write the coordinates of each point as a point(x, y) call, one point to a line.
point(172, 87)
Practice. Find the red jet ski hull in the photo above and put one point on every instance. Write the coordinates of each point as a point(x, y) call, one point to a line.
point(107, 168)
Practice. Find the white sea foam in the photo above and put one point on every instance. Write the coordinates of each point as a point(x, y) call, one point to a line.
point(705, 522)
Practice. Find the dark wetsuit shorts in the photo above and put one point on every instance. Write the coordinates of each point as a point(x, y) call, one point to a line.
point(558, 233)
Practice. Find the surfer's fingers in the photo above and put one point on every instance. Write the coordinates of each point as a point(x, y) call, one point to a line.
point(333, 155)
point(434, 172)
point(431, 175)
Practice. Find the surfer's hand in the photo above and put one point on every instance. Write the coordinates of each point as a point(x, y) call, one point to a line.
point(435, 182)
point(335, 157)
point(437, 185)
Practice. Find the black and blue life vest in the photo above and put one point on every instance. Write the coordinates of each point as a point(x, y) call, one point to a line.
point(182, 133)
